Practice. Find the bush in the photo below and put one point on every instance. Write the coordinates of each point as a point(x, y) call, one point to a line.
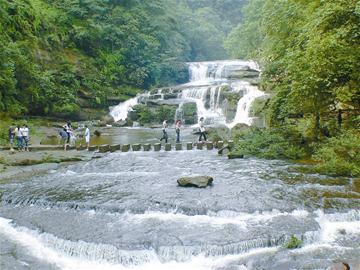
point(144, 114)
point(340, 155)
point(147, 115)
point(270, 143)
point(293, 243)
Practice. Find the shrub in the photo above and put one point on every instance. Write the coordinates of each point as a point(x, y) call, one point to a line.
point(293, 243)
point(340, 155)
point(270, 143)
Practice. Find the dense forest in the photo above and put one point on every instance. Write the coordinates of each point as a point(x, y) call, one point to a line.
point(58, 56)
point(310, 54)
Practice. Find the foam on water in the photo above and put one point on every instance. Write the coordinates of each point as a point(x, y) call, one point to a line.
point(68, 255)
point(212, 218)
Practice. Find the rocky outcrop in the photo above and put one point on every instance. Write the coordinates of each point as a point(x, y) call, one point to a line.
point(195, 181)
point(240, 127)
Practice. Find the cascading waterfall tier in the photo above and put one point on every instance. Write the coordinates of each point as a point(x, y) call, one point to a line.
point(221, 91)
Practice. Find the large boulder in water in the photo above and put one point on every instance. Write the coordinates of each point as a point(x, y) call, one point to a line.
point(195, 181)
point(107, 119)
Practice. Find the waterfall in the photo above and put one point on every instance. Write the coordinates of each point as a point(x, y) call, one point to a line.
point(244, 105)
point(120, 111)
point(198, 72)
point(211, 84)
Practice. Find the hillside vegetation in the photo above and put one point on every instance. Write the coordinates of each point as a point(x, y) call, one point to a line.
point(310, 53)
point(58, 56)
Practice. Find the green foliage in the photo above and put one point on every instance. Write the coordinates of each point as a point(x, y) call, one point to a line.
point(165, 112)
point(310, 53)
point(340, 155)
point(270, 143)
point(293, 243)
point(147, 115)
point(54, 51)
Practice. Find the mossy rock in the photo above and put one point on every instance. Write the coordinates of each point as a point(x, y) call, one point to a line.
point(195, 181)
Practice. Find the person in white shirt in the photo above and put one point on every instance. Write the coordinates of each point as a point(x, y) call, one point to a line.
point(202, 129)
point(25, 136)
point(87, 137)
point(164, 129)
point(19, 138)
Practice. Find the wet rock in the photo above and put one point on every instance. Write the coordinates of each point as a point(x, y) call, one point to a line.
point(97, 133)
point(240, 127)
point(195, 181)
point(136, 147)
point(104, 148)
point(235, 155)
point(170, 96)
point(147, 147)
point(223, 149)
point(167, 146)
point(240, 74)
point(157, 147)
point(189, 146)
point(178, 146)
point(115, 147)
point(121, 123)
point(133, 116)
point(93, 148)
point(209, 146)
point(125, 148)
point(107, 119)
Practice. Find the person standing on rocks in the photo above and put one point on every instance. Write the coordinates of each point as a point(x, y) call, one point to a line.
point(68, 130)
point(19, 138)
point(63, 137)
point(12, 136)
point(87, 137)
point(164, 130)
point(177, 130)
point(202, 129)
point(26, 138)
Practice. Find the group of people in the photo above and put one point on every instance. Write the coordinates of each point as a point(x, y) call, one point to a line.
point(68, 136)
point(20, 135)
point(202, 130)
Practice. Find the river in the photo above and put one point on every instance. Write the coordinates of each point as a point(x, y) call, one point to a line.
point(125, 211)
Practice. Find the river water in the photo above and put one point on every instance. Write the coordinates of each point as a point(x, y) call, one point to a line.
point(125, 211)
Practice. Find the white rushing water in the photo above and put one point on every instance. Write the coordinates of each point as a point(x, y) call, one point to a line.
point(69, 255)
point(244, 106)
point(120, 111)
point(207, 81)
